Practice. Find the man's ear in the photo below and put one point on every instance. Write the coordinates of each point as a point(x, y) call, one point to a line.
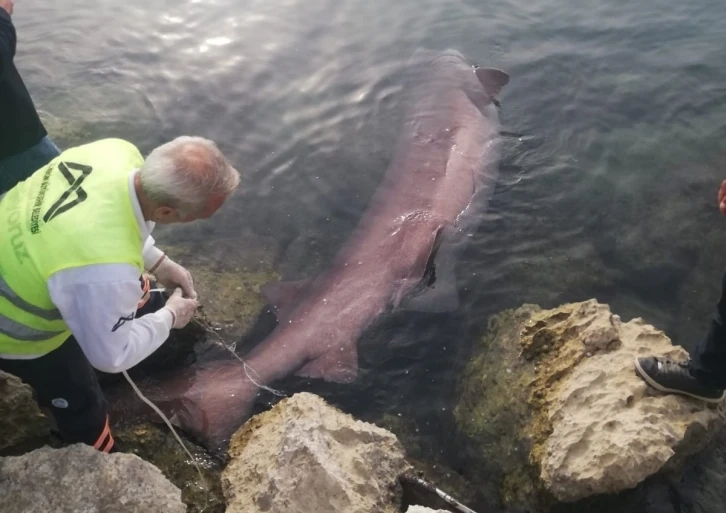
point(165, 215)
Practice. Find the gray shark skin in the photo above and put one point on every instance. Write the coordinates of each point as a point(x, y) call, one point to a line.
point(400, 255)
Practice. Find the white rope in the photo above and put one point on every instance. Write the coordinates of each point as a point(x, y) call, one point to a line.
point(173, 431)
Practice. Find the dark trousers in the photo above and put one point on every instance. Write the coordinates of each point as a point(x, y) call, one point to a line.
point(708, 362)
point(65, 382)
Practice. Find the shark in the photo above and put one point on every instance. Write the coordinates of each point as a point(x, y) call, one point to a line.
point(400, 255)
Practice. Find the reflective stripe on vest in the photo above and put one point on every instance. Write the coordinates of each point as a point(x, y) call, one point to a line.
point(74, 212)
point(7, 293)
point(10, 328)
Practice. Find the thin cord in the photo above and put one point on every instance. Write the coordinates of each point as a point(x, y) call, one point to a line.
point(173, 431)
point(256, 379)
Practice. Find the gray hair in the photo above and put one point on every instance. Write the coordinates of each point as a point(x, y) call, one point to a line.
point(186, 173)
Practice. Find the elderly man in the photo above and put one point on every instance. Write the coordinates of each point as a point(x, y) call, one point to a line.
point(24, 143)
point(75, 240)
point(704, 376)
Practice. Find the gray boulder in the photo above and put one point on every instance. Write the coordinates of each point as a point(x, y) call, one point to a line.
point(79, 479)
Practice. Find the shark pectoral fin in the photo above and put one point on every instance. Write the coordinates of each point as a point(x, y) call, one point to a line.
point(492, 79)
point(339, 366)
point(439, 297)
point(282, 293)
point(433, 290)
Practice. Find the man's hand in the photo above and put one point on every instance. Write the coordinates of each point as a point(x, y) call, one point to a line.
point(722, 198)
point(171, 275)
point(182, 309)
point(8, 5)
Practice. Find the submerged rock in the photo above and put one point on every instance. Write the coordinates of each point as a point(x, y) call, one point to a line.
point(421, 509)
point(557, 388)
point(80, 478)
point(305, 456)
point(423, 451)
point(22, 425)
point(156, 444)
point(228, 275)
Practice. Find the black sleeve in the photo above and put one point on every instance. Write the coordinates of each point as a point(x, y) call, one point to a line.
point(7, 41)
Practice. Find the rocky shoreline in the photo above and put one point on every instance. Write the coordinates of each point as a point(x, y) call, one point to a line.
point(550, 415)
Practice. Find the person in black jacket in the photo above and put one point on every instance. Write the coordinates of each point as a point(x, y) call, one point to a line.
point(703, 376)
point(24, 143)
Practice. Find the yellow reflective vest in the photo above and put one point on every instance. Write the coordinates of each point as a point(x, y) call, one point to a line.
point(76, 211)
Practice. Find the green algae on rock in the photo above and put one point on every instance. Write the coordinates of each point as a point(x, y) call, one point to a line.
point(22, 425)
point(229, 288)
point(493, 409)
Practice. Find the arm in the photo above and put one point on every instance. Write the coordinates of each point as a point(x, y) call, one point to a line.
point(168, 273)
point(98, 303)
point(7, 36)
point(152, 254)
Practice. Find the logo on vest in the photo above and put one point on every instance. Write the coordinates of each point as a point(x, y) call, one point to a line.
point(71, 197)
point(15, 231)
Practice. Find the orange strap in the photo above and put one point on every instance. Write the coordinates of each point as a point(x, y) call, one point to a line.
point(145, 287)
point(109, 445)
point(104, 434)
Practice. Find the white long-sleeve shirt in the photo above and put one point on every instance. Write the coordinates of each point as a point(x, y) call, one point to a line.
point(98, 302)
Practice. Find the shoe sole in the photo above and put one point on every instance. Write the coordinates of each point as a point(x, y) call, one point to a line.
point(667, 390)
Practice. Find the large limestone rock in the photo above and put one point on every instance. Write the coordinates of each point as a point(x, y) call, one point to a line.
point(81, 479)
point(22, 425)
point(305, 456)
point(575, 419)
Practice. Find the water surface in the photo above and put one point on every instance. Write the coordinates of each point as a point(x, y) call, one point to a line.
point(608, 185)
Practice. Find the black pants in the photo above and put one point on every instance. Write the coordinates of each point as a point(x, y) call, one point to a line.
point(708, 362)
point(65, 382)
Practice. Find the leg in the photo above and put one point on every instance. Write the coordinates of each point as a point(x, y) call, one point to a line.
point(704, 377)
point(708, 363)
point(65, 383)
point(18, 167)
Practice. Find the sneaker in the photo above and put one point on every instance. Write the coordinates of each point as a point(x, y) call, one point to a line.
point(673, 377)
